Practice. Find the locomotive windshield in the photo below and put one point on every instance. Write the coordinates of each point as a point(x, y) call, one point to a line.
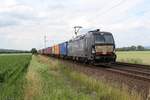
point(105, 38)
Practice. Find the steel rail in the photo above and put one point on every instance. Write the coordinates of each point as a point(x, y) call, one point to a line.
point(133, 65)
point(138, 74)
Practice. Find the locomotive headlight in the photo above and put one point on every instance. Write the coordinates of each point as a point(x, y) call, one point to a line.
point(93, 50)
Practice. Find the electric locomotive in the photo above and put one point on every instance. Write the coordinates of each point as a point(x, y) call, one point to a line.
point(95, 46)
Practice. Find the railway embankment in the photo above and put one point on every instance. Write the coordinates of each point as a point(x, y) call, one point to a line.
point(122, 77)
point(64, 80)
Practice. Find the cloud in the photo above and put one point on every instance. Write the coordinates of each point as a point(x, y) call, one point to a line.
point(18, 14)
point(5, 23)
point(25, 22)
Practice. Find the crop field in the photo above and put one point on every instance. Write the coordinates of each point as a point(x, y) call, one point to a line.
point(137, 57)
point(12, 75)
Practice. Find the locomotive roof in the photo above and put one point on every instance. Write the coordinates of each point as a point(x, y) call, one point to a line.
point(97, 31)
point(93, 32)
point(101, 32)
point(78, 37)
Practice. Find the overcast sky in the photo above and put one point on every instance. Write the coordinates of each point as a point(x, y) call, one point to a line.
point(23, 23)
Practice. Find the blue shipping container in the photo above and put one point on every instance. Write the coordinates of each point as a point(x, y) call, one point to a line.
point(63, 49)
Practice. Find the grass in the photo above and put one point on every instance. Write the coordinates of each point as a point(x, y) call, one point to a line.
point(12, 72)
point(45, 82)
point(56, 81)
point(51, 79)
point(137, 57)
point(96, 88)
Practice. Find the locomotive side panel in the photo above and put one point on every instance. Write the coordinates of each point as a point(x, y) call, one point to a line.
point(76, 48)
point(89, 43)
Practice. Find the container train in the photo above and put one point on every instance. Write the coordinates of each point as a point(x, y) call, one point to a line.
point(94, 47)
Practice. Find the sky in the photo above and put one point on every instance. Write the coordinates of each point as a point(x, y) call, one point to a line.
point(23, 23)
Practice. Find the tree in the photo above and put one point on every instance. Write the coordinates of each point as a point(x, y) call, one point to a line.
point(33, 51)
point(133, 48)
point(140, 48)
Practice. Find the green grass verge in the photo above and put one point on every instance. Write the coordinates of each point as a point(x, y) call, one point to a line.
point(59, 82)
point(136, 57)
point(50, 84)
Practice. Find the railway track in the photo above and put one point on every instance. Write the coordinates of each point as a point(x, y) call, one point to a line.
point(141, 72)
point(134, 65)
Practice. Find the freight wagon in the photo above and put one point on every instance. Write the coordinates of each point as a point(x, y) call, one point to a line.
point(40, 51)
point(56, 50)
point(48, 50)
point(53, 51)
point(63, 49)
point(44, 51)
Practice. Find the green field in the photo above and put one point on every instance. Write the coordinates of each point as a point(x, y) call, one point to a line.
point(138, 57)
point(12, 76)
point(44, 78)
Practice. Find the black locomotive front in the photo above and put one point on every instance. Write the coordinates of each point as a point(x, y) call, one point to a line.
point(103, 48)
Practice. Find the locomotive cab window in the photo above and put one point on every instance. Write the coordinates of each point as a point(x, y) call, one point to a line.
point(108, 38)
point(99, 39)
point(105, 38)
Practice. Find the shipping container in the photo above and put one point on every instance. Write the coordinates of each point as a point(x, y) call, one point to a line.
point(44, 51)
point(56, 50)
point(53, 50)
point(40, 51)
point(63, 48)
point(48, 50)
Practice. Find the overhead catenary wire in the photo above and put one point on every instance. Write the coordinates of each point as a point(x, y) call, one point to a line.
point(114, 6)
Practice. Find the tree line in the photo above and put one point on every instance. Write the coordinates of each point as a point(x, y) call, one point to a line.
point(8, 51)
point(12, 51)
point(133, 48)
